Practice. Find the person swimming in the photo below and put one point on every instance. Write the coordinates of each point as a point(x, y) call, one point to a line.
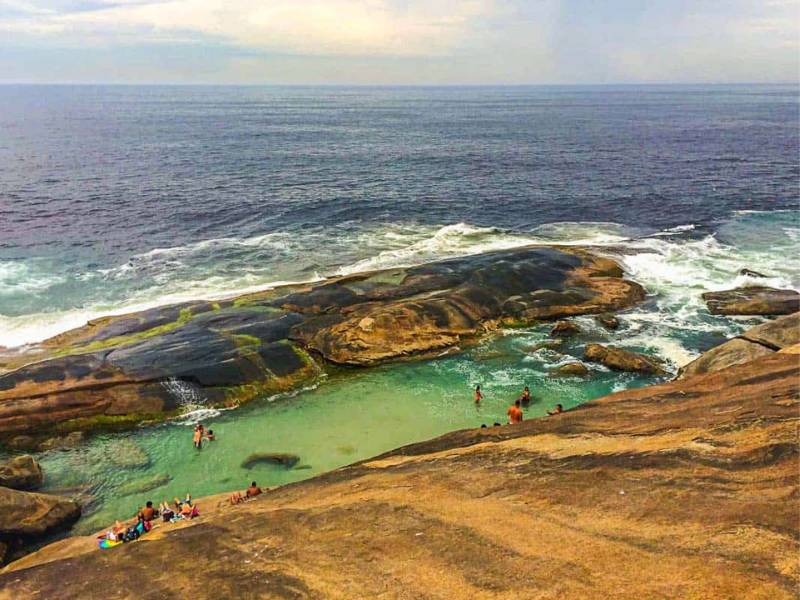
point(526, 396)
point(210, 435)
point(515, 413)
point(558, 410)
point(478, 394)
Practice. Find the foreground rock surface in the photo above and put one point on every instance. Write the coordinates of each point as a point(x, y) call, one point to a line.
point(119, 370)
point(762, 340)
point(688, 489)
point(21, 473)
point(755, 300)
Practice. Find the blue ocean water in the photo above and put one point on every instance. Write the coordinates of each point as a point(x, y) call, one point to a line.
point(117, 197)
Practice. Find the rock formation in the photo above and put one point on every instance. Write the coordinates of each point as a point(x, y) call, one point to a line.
point(118, 371)
point(622, 360)
point(564, 329)
point(573, 369)
point(21, 473)
point(756, 342)
point(608, 321)
point(688, 489)
point(754, 300)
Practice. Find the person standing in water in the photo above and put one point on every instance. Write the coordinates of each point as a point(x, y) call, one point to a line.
point(198, 436)
point(525, 399)
point(478, 395)
point(515, 413)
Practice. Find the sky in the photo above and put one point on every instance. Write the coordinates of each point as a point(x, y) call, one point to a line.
point(399, 42)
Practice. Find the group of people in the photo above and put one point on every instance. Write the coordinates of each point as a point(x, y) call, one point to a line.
point(514, 412)
point(145, 516)
point(201, 434)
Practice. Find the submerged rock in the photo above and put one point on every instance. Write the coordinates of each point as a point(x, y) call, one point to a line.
point(756, 342)
point(271, 458)
point(565, 329)
point(575, 369)
point(622, 360)
point(145, 484)
point(128, 454)
point(21, 473)
point(754, 300)
point(751, 273)
point(608, 321)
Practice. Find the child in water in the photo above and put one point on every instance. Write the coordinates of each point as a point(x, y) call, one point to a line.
point(478, 395)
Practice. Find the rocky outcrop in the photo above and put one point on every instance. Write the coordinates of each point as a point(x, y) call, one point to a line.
point(685, 489)
point(756, 342)
point(271, 458)
point(622, 360)
point(755, 300)
point(564, 329)
point(573, 369)
point(27, 516)
point(608, 321)
point(21, 473)
point(118, 371)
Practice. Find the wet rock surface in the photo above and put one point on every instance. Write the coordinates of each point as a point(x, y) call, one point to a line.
point(573, 369)
point(117, 371)
point(564, 329)
point(755, 300)
point(622, 360)
point(761, 340)
point(685, 489)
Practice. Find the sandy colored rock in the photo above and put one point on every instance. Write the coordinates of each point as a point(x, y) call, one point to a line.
point(688, 489)
point(31, 515)
point(21, 473)
point(575, 369)
point(608, 321)
point(754, 300)
point(564, 329)
point(622, 360)
point(758, 341)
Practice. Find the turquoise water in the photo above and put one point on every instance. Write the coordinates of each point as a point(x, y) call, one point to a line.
point(350, 416)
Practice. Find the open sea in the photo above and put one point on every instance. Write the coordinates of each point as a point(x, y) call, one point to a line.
point(120, 198)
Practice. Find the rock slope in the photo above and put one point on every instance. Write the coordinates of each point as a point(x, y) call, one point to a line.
point(130, 368)
point(687, 489)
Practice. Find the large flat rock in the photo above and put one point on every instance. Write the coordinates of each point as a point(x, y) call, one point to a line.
point(753, 300)
point(687, 489)
point(146, 365)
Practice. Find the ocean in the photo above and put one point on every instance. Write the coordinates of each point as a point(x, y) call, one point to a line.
point(120, 198)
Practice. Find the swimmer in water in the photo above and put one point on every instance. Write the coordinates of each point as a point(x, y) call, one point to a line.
point(478, 395)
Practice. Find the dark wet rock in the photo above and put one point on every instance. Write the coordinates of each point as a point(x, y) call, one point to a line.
point(118, 371)
point(271, 458)
point(575, 369)
point(756, 342)
point(751, 273)
point(553, 345)
point(564, 329)
point(754, 300)
point(22, 442)
point(608, 321)
point(622, 360)
point(21, 473)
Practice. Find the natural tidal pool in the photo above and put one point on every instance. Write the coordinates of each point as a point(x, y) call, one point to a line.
point(351, 415)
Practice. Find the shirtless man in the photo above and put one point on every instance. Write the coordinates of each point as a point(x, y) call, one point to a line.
point(526, 396)
point(559, 409)
point(515, 413)
point(253, 490)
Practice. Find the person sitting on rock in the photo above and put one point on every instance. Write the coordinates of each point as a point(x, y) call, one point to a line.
point(166, 512)
point(253, 490)
point(188, 511)
point(148, 512)
point(515, 413)
point(236, 498)
point(526, 396)
point(558, 410)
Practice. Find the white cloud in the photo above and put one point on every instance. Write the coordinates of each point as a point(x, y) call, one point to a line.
point(340, 27)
